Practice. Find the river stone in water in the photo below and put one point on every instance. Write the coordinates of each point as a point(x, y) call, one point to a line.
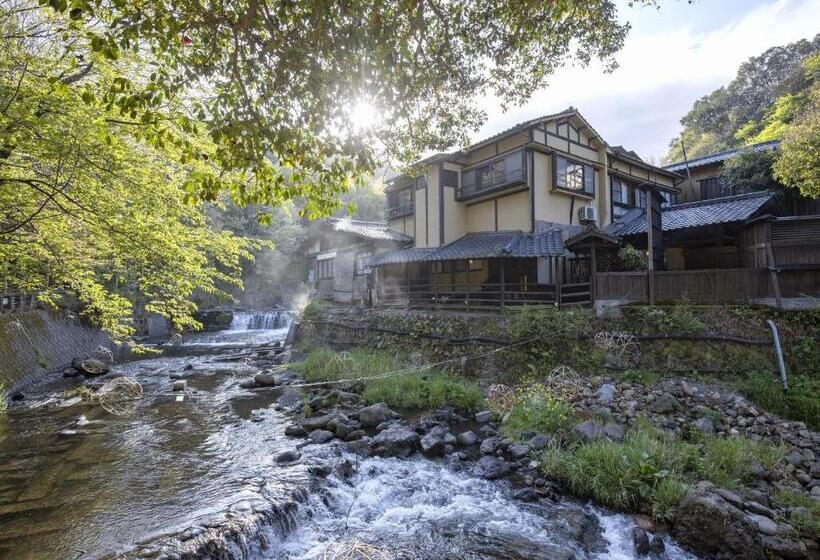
point(320, 436)
point(373, 415)
point(491, 467)
point(395, 441)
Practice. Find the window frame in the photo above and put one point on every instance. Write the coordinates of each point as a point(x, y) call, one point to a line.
point(358, 268)
point(588, 171)
point(324, 268)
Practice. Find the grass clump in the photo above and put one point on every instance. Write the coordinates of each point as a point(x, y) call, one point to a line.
point(801, 402)
point(410, 390)
point(419, 392)
point(642, 376)
point(535, 409)
point(805, 525)
point(652, 470)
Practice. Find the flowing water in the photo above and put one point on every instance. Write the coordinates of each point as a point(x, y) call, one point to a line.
point(78, 482)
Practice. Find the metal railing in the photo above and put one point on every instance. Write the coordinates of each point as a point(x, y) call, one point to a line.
point(489, 183)
point(14, 302)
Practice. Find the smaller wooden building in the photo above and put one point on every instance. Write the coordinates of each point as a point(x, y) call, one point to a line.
point(340, 253)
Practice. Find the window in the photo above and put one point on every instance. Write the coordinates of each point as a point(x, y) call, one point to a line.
point(711, 188)
point(668, 199)
point(574, 176)
point(449, 178)
point(499, 173)
point(324, 268)
point(622, 196)
point(363, 263)
point(400, 203)
point(476, 264)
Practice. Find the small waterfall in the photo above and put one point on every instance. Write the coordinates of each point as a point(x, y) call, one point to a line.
point(259, 321)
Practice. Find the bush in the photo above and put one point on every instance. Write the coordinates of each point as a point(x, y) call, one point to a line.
point(314, 309)
point(801, 402)
point(413, 391)
point(323, 364)
point(536, 409)
point(631, 258)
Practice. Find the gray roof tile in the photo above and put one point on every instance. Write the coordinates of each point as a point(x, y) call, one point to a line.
point(723, 210)
point(401, 256)
point(370, 230)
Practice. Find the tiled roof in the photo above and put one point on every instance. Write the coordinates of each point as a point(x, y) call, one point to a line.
point(401, 256)
point(721, 156)
point(487, 245)
point(724, 210)
point(370, 230)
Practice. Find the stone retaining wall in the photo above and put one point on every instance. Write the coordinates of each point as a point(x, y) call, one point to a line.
point(37, 342)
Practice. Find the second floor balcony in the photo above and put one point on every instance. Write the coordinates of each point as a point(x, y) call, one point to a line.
point(400, 210)
point(481, 184)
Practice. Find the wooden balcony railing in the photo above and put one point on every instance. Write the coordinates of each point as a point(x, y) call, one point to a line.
point(490, 183)
point(405, 209)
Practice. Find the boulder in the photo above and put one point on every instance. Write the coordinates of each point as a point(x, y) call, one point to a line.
point(657, 546)
point(467, 438)
point(360, 446)
point(290, 399)
point(710, 526)
point(641, 541)
point(526, 495)
point(488, 445)
point(396, 440)
point(90, 367)
point(320, 422)
point(432, 444)
point(491, 467)
point(373, 415)
point(320, 436)
point(539, 442)
point(764, 524)
point(519, 450)
point(783, 547)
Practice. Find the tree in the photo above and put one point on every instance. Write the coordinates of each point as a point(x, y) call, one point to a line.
point(749, 170)
point(94, 206)
point(798, 165)
point(275, 82)
point(768, 90)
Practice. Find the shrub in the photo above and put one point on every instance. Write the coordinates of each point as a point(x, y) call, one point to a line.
point(631, 258)
point(413, 391)
point(323, 364)
point(314, 309)
point(536, 409)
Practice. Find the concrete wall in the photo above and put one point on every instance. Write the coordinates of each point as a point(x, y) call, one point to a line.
point(37, 342)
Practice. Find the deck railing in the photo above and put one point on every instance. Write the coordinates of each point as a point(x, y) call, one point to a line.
point(486, 296)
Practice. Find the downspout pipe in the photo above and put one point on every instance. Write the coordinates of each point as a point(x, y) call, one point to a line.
point(778, 352)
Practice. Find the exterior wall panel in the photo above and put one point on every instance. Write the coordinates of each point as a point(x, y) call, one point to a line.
point(513, 212)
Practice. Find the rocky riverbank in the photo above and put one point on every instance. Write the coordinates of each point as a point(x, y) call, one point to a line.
point(710, 521)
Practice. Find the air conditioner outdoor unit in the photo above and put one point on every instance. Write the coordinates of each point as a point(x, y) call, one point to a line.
point(587, 215)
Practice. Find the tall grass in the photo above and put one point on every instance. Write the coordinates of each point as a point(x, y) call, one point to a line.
point(411, 390)
point(537, 410)
point(654, 469)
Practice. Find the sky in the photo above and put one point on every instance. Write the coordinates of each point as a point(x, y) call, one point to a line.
point(671, 57)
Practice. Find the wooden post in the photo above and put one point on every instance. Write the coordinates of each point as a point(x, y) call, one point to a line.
point(593, 270)
point(559, 275)
point(773, 274)
point(503, 287)
point(650, 246)
point(467, 277)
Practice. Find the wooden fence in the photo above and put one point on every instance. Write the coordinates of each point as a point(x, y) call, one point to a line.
point(705, 286)
point(475, 297)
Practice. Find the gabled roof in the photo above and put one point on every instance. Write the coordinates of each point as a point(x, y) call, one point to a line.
point(721, 156)
point(378, 231)
point(725, 210)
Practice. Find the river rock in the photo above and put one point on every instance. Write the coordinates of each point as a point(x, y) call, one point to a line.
point(606, 394)
point(764, 524)
point(657, 546)
point(614, 431)
point(540, 441)
point(289, 456)
point(641, 541)
point(179, 385)
point(373, 415)
point(710, 526)
point(467, 438)
point(519, 450)
point(586, 431)
point(290, 399)
point(90, 367)
point(664, 404)
point(484, 416)
point(491, 467)
point(263, 379)
point(526, 495)
point(295, 431)
point(320, 422)
point(432, 444)
point(488, 445)
point(783, 547)
point(396, 440)
point(320, 436)
point(704, 425)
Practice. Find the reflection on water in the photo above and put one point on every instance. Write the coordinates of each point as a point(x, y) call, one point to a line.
point(77, 482)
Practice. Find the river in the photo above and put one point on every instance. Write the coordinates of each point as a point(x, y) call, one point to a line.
point(78, 482)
